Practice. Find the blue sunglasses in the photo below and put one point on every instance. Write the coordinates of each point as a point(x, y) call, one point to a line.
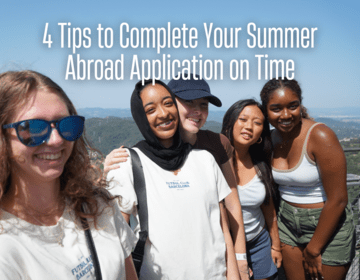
point(34, 132)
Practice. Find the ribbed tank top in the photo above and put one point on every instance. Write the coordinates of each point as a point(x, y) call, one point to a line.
point(252, 195)
point(302, 183)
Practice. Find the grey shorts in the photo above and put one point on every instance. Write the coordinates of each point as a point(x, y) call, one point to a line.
point(297, 226)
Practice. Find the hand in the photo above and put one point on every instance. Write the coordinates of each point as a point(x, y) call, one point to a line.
point(277, 257)
point(116, 156)
point(312, 265)
point(244, 270)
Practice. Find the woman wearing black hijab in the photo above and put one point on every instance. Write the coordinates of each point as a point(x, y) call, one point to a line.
point(184, 189)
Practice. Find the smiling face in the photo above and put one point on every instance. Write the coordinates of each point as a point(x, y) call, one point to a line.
point(44, 162)
point(161, 113)
point(284, 110)
point(248, 127)
point(193, 113)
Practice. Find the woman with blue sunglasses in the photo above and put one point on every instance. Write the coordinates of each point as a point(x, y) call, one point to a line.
point(57, 221)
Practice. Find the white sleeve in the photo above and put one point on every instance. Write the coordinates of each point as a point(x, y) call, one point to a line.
point(222, 186)
point(10, 262)
point(127, 238)
point(121, 182)
point(8, 273)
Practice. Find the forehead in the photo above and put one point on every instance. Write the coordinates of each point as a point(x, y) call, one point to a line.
point(283, 95)
point(42, 104)
point(252, 111)
point(153, 93)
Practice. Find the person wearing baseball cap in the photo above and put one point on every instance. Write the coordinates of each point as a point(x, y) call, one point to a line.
point(193, 88)
point(193, 96)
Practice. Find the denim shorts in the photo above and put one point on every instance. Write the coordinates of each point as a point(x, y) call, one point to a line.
point(259, 257)
point(297, 226)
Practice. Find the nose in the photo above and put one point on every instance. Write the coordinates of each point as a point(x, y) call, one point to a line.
point(55, 139)
point(285, 113)
point(163, 112)
point(248, 125)
point(196, 109)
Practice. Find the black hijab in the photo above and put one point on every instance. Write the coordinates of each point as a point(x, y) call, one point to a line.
point(167, 158)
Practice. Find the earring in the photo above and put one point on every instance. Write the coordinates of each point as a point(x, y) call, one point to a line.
point(259, 141)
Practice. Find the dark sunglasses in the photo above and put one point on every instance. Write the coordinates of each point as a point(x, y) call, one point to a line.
point(36, 131)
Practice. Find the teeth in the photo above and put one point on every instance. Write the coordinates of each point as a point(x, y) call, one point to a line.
point(194, 120)
point(49, 156)
point(165, 124)
point(286, 123)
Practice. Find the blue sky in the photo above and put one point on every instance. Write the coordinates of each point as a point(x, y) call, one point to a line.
point(328, 73)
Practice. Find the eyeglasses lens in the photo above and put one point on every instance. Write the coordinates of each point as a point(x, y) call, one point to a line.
point(71, 128)
point(33, 132)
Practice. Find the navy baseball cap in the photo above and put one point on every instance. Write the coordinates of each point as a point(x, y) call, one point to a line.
point(192, 88)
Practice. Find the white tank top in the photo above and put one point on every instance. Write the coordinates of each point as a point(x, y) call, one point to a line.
point(252, 195)
point(302, 183)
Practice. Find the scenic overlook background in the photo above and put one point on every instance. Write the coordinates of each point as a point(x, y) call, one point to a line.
point(107, 129)
point(328, 72)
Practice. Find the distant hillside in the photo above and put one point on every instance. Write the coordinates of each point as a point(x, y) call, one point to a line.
point(342, 129)
point(103, 113)
point(109, 133)
point(338, 113)
point(213, 126)
point(341, 114)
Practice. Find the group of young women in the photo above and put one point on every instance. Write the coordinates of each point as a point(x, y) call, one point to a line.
point(211, 199)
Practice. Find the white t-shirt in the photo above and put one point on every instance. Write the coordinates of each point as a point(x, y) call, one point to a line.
point(252, 195)
point(33, 252)
point(185, 236)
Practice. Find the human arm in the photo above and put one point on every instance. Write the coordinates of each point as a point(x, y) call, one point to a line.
point(231, 265)
point(130, 269)
point(115, 156)
point(325, 149)
point(271, 221)
point(121, 184)
point(235, 216)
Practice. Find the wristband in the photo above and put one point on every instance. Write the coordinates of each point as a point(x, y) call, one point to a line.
point(241, 257)
point(272, 248)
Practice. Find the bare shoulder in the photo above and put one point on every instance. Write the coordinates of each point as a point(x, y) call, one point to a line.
point(324, 144)
point(322, 134)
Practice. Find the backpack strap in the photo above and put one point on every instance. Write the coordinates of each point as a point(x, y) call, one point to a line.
point(140, 190)
point(91, 245)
